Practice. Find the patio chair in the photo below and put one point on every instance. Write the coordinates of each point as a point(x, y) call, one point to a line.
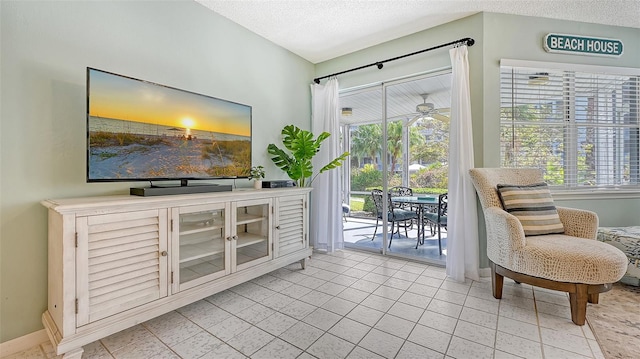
point(438, 219)
point(345, 211)
point(394, 215)
point(532, 241)
point(399, 191)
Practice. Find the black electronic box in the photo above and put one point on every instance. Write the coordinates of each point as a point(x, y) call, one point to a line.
point(278, 184)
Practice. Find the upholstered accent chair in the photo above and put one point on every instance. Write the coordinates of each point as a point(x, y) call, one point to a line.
point(572, 261)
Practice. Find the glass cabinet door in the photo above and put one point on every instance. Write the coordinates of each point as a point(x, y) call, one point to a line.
point(252, 242)
point(201, 240)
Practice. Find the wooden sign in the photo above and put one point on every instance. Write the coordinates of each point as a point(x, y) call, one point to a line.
point(582, 45)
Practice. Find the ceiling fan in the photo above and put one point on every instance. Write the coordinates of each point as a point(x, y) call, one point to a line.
point(426, 110)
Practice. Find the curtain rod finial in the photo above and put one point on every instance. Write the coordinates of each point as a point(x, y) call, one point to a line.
point(470, 42)
point(317, 81)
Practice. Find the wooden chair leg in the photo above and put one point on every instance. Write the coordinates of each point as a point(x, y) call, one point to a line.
point(593, 298)
point(578, 302)
point(497, 281)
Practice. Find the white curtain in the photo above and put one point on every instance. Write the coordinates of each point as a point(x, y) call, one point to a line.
point(325, 213)
point(462, 231)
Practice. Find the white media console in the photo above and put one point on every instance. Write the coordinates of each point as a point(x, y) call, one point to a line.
point(116, 261)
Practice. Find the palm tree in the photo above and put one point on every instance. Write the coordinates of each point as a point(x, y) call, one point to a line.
point(394, 141)
point(366, 141)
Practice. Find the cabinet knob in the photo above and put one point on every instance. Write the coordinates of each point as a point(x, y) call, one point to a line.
point(277, 227)
point(164, 253)
point(229, 238)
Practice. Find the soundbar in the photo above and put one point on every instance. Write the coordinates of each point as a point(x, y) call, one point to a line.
point(169, 190)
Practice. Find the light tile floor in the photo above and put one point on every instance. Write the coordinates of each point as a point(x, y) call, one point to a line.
point(356, 305)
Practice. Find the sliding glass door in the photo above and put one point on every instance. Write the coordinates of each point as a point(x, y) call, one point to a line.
point(397, 134)
point(362, 119)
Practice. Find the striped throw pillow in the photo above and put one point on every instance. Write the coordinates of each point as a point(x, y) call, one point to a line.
point(533, 206)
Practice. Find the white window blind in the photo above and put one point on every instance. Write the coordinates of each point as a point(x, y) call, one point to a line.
point(580, 126)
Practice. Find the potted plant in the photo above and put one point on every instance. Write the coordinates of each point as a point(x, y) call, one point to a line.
point(256, 174)
point(302, 147)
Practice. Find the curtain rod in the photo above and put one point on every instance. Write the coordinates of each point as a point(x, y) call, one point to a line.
point(467, 41)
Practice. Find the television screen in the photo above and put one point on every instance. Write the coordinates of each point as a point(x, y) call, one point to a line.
point(138, 130)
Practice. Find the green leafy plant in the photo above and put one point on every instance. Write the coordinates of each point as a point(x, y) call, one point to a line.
point(367, 176)
point(302, 148)
point(256, 173)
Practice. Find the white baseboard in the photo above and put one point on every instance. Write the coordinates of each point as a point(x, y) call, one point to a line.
point(485, 272)
point(23, 343)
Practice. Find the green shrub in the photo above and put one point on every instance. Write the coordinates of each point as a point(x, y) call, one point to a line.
point(395, 180)
point(368, 176)
point(428, 190)
point(436, 176)
point(369, 206)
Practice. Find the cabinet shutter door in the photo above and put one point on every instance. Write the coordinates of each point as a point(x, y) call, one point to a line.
point(290, 228)
point(120, 262)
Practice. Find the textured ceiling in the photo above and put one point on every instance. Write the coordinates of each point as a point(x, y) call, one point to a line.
point(319, 30)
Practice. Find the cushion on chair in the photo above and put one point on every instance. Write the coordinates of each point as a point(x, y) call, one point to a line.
point(433, 217)
point(401, 215)
point(533, 206)
point(577, 260)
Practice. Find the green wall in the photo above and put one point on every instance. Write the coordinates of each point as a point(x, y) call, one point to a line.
point(46, 47)
point(497, 36)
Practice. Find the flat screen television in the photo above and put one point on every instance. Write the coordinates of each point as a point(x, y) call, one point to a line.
point(142, 131)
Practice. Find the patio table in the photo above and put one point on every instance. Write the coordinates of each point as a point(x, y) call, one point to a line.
point(421, 202)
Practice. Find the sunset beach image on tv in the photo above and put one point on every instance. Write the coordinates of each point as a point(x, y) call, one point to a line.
point(138, 130)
